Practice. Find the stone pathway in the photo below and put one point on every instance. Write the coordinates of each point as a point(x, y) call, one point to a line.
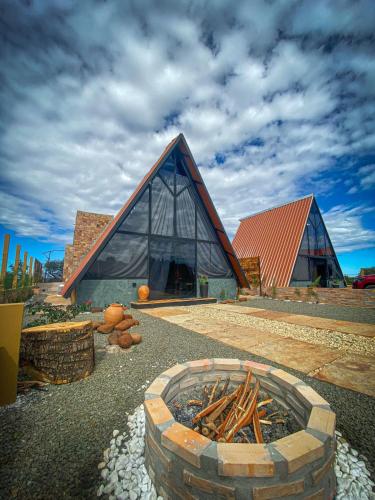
point(339, 352)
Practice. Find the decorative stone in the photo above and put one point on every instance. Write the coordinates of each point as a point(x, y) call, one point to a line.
point(126, 324)
point(106, 328)
point(124, 341)
point(136, 338)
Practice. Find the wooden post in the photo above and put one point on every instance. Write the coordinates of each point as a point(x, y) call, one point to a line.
point(24, 267)
point(31, 271)
point(4, 262)
point(16, 266)
point(73, 296)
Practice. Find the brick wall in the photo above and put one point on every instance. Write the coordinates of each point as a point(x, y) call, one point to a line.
point(337, 296)
point(88, 228)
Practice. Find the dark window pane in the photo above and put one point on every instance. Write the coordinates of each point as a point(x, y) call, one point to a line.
point(185, 215)
point(167, 172)
point(321, 241)
point(204, 228)
point(137, 220)
point(161, 256)
point(182, 179)
point(161, 209)
point(312, 239)
point(212, 262)
point(124, 256)
point(301, 269)
point(304, 250)
point(185, 268)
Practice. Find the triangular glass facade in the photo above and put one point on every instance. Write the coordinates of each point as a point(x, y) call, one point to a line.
point(316, 260)
point(167, 237)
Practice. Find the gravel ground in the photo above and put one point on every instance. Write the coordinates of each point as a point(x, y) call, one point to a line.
point(342, 341)
point(357, 314)
point(51, 442)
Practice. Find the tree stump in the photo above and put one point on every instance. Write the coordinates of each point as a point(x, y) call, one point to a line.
point(59, 353)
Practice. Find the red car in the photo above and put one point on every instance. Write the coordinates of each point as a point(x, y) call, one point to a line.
point(364, 281)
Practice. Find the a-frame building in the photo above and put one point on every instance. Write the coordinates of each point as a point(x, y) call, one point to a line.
point(166, 235)
point(293, 245)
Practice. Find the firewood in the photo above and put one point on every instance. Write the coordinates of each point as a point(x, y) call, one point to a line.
point(194, 402)
point(246, 418)
point(177, 405)
point(206, 411)
point(226, 400)
point(224, 388)
point(279, 421)
point(257, 429)
point(197, 428)
point(265, 422)
point(262, 413)
point(265, 402)
point(205, 397)
point(212, 395)
point(232, 412)
point(273, 414)
point(245, 437)
point(205, 431)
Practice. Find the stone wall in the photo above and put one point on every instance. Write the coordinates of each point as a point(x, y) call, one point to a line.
point(221, 288)
point(88, 227)
point(337, 296)
point(104, 292)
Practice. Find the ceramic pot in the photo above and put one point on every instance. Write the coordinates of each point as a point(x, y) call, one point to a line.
point(114, 314)
point(143, 293)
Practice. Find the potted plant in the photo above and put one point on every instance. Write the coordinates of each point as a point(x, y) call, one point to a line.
point(203, 285)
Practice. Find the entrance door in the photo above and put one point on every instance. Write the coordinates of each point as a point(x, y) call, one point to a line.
point(319, 268)
point(172, 268)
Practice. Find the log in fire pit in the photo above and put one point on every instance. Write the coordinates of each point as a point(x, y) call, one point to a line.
point(226, 454)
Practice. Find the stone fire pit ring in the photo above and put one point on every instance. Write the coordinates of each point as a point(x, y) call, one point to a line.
point(184, 464)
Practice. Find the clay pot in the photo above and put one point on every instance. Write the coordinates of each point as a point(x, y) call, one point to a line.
point(143, 293)
point(113, 314)
point(124, 341)
point(136, 338)
point(106, 328)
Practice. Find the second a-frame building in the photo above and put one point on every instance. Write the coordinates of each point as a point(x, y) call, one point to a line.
point(166, 235)
point(292, 243)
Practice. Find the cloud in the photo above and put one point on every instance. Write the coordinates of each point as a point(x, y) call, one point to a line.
point(90, 96)
point(344, 225)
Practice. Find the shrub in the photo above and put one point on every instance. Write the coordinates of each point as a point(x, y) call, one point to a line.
point(48, 313)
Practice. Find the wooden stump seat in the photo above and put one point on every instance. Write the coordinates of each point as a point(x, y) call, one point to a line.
point(58, 353)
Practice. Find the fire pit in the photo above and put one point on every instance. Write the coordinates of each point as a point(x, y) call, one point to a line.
point(183, 463)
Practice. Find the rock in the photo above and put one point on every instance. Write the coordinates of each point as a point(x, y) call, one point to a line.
point(101, 465)
point(354, 452)
point(136, 338)
point(126, 324)
point(127, 316)
point(124, 341)
point(96, 324)
point(115, 433)
point(113, 349)
point(106, 328)
point(100, 490)
point(113, 337)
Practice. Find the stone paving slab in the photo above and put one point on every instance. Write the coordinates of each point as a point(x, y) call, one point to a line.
point(165, 312)
point(296, 354)
point(352, 372)
point(363, 329)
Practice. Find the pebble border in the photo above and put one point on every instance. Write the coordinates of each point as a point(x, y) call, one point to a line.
point(184, 464)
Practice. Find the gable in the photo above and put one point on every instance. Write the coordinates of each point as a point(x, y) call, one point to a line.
point(171, 201)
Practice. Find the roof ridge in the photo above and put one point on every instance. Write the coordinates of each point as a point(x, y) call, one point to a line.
point(277, 206)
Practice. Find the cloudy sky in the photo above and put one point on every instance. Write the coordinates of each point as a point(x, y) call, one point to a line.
point(275, 98)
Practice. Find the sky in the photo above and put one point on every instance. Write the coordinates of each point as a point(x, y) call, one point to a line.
point(275, 99)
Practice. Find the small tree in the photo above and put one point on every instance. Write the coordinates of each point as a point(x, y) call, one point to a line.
point(54, 270)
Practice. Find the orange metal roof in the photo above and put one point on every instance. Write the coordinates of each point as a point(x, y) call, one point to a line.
point(275, 236)
point(180, 142)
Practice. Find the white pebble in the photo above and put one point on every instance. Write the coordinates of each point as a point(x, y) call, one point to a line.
point(115, 433)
